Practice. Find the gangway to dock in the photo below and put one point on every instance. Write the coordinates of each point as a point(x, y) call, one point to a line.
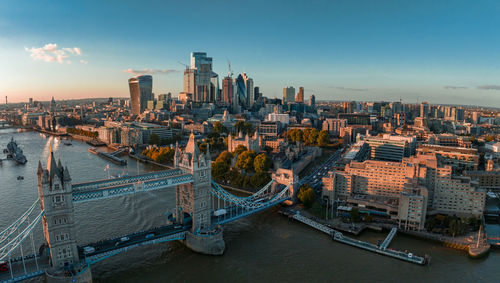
point(389, 238)
point(339, 237)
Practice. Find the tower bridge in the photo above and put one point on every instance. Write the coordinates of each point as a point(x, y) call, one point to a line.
point(201, 208)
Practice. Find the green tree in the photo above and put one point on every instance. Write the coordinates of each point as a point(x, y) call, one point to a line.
point(306, 195)
point(245, 160)
point(219, 128)
point(244, 127)
point(262, 163)
point(323, 138)
point(220, 170)
point(489, 138)
point(260, 179)
point(154, 139)
point(240, 149)
point(355, 216)
point(225, 156)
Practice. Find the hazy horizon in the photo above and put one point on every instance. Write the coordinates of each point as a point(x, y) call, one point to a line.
point(338, 50)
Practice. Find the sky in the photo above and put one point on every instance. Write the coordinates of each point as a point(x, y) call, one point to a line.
point(436, 51)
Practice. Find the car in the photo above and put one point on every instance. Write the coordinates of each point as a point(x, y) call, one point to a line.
point(178, 226)
point(124, 239)
point(88, 250)
point(150, 235)
point(3, 266)
point(410, 255)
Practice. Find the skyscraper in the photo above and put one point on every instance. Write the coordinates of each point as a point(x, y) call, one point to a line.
point(312, 100)
point(250, 90)
point(300, 95)
point(257, 94)
point(241, 90)
point(198, 58)
point(189, 81)
point(198, 78)
point(214, 88)
point(424, 109)
point(140, 92)
point(288, 94)
point(228, 90)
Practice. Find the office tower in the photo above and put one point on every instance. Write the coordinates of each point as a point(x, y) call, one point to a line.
point(202, 82)
point(460, 114)
point(214, 88)
point(198, 58)
point(396, 107)
point(227, 90)
point(140, 92)
point(312, 100)
point(199, 79)
point(241, 90)
point(391, 148)
point(300, 95)
point(31, 101)
point(250, 90)
point(257, 94)
point(288, 95)
point(424, 110)
point(189, 81)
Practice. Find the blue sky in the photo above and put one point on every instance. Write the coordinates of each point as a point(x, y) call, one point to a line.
point(439, 51)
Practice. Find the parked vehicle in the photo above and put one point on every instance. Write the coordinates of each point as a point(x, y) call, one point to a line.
point(88, 250)
point(3, 266)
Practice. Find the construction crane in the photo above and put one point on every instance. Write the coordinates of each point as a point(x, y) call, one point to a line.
point(230, 73)
point(187, 66)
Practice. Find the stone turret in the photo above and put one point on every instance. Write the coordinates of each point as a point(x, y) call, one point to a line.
point(194, 202)
point(56, 199)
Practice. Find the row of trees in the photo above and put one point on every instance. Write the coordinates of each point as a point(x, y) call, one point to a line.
point(160, 154)
point(452, 225)
point(309, 136)
point(255, 165)
point(81, 132)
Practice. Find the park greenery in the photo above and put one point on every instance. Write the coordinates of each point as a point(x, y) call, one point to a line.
point(81, 132)
point(451, 225)
point(244, 127)
point(306, 195)
point(309, 136)
point(219, 128)
point(251, 169)
point(160, 154)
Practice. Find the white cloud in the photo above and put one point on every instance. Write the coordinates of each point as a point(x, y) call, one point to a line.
point(84, 62)
point(51, 53)
point(149, 71)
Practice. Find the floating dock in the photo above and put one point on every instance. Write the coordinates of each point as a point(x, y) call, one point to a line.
point(110, 156)
point(382, 249)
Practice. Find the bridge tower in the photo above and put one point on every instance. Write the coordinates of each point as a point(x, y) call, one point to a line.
point(194, 202)
point(56, 199)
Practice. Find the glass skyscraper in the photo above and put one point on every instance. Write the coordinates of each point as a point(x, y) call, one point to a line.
point(141, 91)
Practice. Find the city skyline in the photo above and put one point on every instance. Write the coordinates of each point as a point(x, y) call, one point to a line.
point(436, 52)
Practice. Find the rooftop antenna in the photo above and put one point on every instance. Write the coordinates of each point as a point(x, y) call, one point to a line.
point(230, 72)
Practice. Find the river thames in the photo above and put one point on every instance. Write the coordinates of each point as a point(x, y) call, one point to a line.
point(265, 247)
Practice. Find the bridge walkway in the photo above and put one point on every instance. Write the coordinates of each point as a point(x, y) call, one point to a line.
point(389, 238)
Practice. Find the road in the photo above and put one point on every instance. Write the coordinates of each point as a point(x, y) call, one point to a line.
point(314, 179)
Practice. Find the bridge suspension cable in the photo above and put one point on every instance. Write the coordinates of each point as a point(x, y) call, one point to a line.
point(9, 231)
point(8, 248)
point(220, 193)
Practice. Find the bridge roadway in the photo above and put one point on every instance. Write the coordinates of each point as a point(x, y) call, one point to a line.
point(133, 239)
